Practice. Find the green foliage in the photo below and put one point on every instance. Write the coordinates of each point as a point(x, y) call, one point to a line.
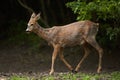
point(115, 76)
point(18, 78)
point(112, 33)
point(48, 78)
point(106, 12)
point(103, 9)
point(69, 76)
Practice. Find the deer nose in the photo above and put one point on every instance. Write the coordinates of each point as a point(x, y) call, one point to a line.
point(27, 30)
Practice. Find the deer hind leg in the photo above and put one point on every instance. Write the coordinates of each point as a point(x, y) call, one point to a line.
point(84, 57)
point(93, 43)
point(64, 61)
point(55, 52)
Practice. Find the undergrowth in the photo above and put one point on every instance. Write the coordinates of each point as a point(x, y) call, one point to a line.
point(69, 76)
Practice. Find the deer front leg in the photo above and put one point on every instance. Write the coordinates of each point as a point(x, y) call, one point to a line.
point(55, 52)
point(64, 61)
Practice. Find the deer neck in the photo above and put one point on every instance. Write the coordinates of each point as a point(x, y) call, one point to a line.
point(40, 31)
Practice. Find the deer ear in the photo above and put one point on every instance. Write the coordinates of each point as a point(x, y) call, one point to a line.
point(33, 14)
point(38, 16)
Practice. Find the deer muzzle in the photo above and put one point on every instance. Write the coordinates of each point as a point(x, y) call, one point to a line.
point(27, 30)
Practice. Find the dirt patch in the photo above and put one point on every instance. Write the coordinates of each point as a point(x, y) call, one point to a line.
point(20, 59)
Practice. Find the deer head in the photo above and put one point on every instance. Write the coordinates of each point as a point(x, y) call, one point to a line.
point(33, 22)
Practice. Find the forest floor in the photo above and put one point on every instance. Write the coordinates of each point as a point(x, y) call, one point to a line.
point(26, 60)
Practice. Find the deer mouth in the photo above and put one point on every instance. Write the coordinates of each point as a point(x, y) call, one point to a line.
point(28, 32)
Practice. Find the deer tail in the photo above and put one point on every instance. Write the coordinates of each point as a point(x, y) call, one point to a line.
point(97, 24)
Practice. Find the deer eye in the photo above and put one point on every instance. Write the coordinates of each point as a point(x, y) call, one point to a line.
point(31, 24)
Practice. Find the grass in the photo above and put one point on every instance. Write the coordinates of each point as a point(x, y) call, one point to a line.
point(68, 76)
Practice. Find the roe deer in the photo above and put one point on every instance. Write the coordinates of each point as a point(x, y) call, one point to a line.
point(77, 33)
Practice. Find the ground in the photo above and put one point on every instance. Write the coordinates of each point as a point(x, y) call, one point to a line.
point(24, 59)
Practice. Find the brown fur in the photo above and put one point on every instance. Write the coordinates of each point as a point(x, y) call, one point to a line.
point(77, 33)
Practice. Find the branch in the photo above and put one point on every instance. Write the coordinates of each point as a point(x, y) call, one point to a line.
point(25, 6)
point(30, 10)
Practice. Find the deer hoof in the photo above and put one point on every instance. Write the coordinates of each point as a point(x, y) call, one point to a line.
point(73, 71)
point(98, 70)
point(51, 72)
